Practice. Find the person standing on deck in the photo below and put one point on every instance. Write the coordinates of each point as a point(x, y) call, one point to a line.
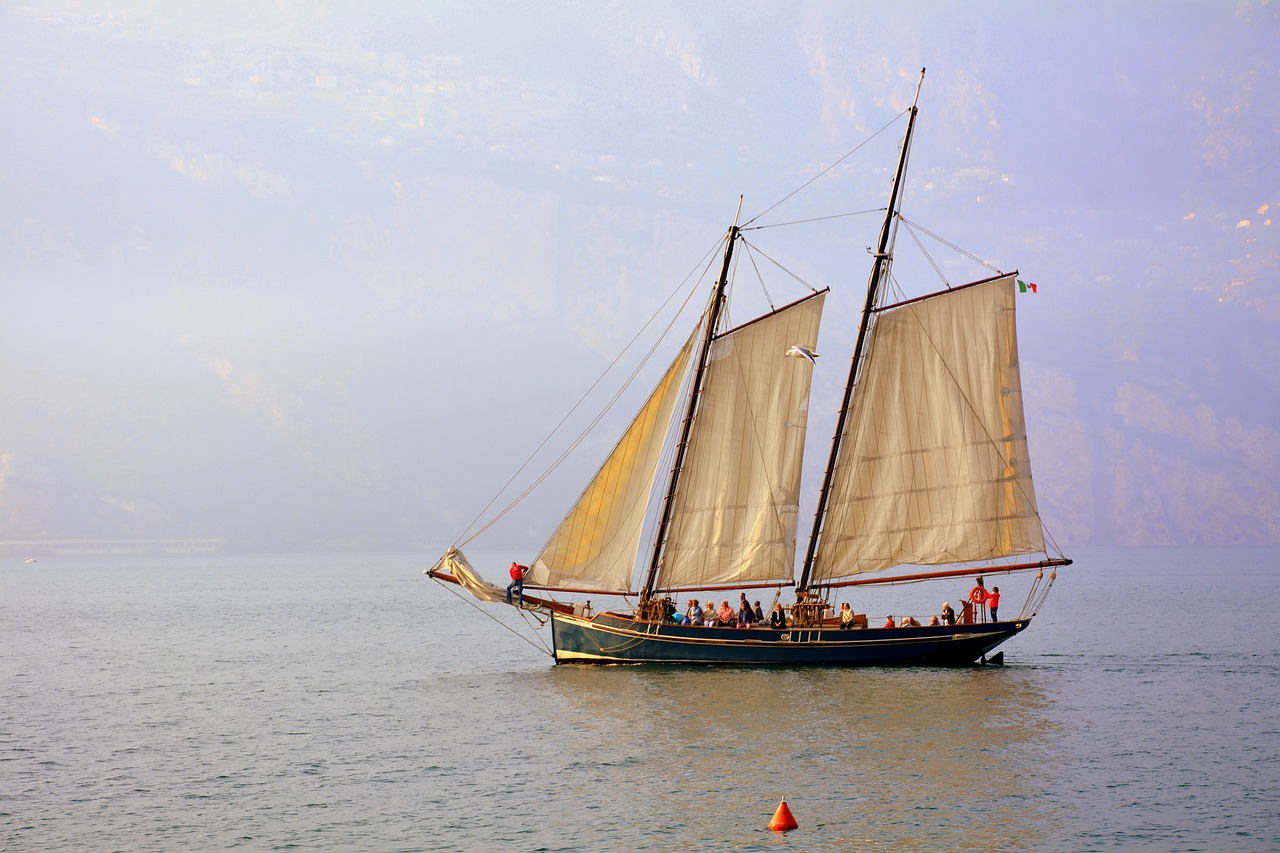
point(517, 583)
point(993, 601)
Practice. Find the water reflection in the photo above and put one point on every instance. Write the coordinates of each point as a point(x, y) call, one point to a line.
point(869, 759)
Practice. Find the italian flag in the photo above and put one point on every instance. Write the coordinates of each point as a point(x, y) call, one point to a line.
point(1023, 287)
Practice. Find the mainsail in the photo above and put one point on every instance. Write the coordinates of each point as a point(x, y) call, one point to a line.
point(933, 468)
point(735, 512)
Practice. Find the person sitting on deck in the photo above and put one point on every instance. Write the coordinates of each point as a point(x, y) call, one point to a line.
point(933, 620)
point(888, 622)
point(778, 618)
point(758, 613)
point(846, 616)
point(709, 614)
point(694, 614)
point(745, 615)
point(669, 610)
point(908, 622)
point(948, 615)
point(726, 618)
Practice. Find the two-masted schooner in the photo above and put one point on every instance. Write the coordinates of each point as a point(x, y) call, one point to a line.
point(928, 467)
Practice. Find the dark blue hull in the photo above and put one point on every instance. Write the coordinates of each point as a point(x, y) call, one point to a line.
point(608, 638)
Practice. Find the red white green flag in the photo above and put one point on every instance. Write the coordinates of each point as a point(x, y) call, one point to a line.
point(1023, 286)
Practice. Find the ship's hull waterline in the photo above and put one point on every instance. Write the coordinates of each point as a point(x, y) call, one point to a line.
point(613, 639)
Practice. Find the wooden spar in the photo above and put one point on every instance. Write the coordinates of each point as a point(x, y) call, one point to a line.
point(915, 299)
point(688, 590)
point(955, 573)
point(879, 271)
point(680, 590)
point(713, 318)
point(445, 577)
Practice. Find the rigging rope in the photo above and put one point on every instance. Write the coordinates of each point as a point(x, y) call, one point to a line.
point(467, 535)
point(805, 185)
point(752, 250)
point(970, 255)
point(813, 219)
point(941, 276)
point(471, 602)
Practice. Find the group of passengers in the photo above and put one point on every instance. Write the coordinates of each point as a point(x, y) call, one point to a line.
point(947, 617)
point(725, 616)
point(747, 614)
point(979, 602)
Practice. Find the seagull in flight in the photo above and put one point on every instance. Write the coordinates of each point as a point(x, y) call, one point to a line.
point(803, 352)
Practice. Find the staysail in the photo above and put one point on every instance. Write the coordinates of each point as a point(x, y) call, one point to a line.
point(735, 512)
point(934, 467)
point(594, 548)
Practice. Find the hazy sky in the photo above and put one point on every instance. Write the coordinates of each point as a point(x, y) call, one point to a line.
point(321, 275)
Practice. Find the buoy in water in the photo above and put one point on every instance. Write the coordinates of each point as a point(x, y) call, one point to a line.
point(783, 820)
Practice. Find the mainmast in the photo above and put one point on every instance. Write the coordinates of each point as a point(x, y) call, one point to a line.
point(700, 369)
point(879, 271)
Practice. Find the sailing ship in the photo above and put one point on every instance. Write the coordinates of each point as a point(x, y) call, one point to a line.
point(928, 467)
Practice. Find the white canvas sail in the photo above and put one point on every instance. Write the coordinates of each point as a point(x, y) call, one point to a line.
point(934, 466)
point(734, 517)
point(456, 565)
point(594, 548)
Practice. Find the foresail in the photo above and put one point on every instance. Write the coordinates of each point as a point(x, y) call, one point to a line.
point(735, 512)
point(456, 564)
point(594, 548)
point(934, 466)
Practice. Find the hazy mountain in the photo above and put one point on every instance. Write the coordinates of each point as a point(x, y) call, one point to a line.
point(309, 277)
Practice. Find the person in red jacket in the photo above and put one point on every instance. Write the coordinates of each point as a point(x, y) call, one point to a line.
point(993, 601)
point(517, 583)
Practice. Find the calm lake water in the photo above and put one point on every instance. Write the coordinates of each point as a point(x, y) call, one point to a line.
point(349, 703)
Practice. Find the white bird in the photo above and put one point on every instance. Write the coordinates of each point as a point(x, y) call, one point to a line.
point(803, 352)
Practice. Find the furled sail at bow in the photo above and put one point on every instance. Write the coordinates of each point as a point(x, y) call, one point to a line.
point(934, 466)
point(594, 548)
point(735, 513)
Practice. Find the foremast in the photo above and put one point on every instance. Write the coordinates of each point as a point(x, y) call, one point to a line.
point(648, 608)
point(882, 261)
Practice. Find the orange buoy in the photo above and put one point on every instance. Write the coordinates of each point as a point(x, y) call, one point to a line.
point(783, 820)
